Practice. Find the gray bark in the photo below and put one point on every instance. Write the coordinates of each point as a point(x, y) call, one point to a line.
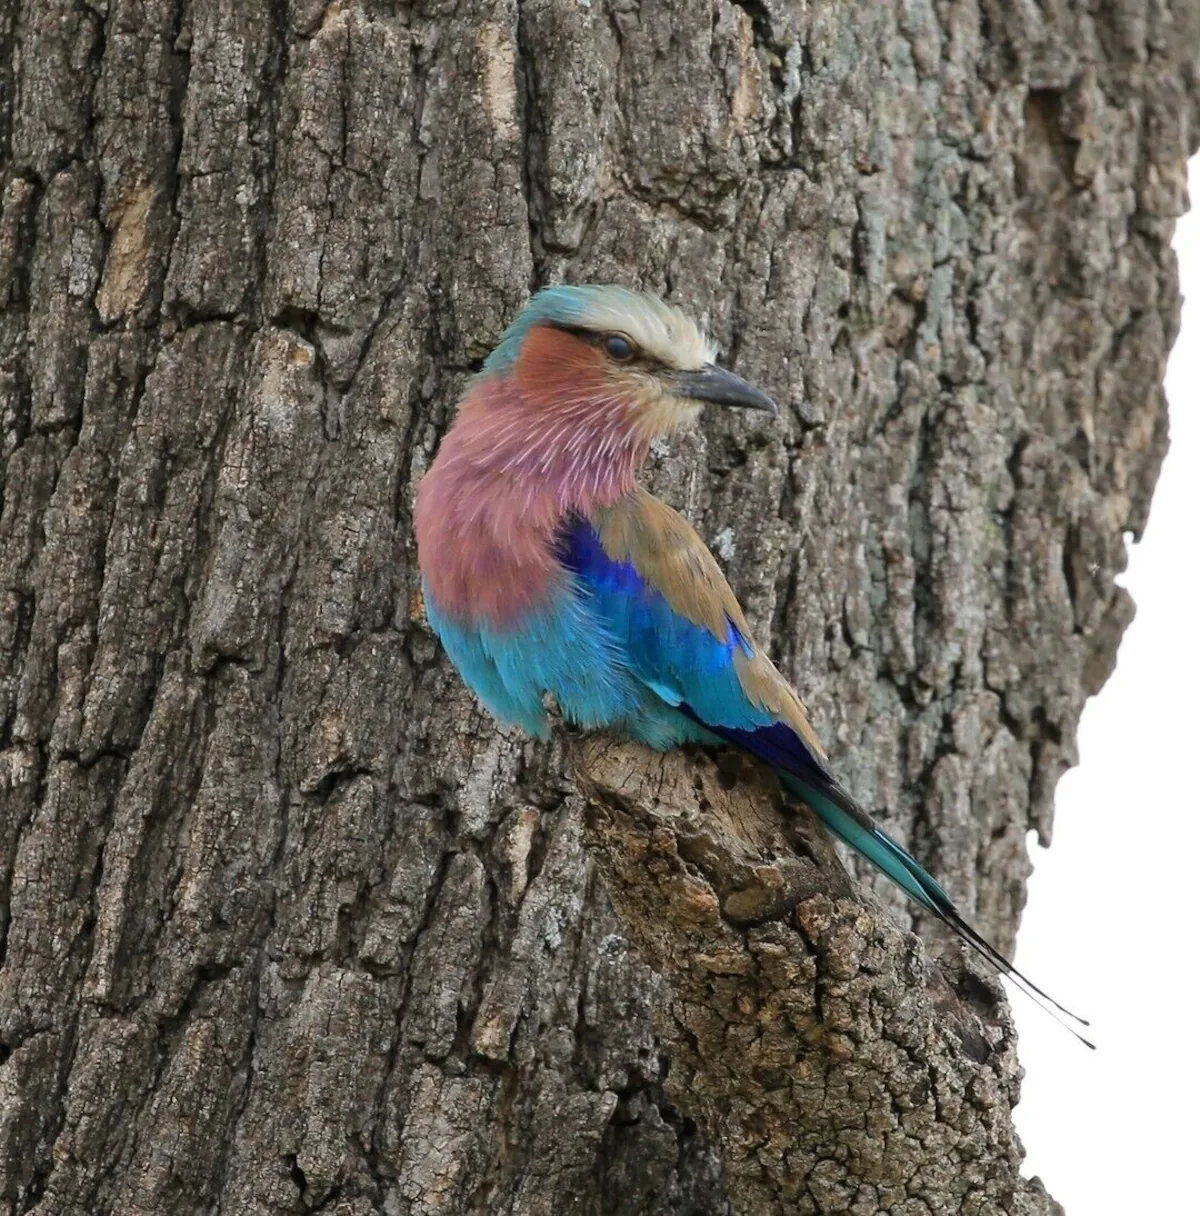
point(286, 923)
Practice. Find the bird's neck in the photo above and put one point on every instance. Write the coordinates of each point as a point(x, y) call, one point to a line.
point(491, 508)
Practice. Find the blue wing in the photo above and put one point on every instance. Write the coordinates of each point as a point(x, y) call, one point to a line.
point(702, 662)
point(701, 670)
point(682, 662)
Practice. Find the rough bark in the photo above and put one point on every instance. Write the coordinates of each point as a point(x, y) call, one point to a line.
point(286, 923)
point(836, 1068)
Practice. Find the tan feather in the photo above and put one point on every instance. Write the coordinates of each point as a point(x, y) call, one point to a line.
point(668, 553)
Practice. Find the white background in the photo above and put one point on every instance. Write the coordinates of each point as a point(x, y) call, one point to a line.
point(1111, 925)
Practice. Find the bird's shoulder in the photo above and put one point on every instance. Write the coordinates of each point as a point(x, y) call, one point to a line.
point(642, 531)
point(668, 554)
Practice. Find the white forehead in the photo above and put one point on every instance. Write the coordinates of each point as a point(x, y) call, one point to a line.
point(661, 330)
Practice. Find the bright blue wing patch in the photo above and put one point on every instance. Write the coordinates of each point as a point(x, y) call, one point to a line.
point(685, 664)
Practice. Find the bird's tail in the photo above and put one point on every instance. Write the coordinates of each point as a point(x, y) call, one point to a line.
point(851, 824)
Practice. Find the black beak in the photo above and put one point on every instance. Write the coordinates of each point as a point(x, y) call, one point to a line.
point(715, 384)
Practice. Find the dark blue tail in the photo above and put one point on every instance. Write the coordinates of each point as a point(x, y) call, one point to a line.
point(808, 778)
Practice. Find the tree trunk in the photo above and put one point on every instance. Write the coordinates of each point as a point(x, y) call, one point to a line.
point(288, 924)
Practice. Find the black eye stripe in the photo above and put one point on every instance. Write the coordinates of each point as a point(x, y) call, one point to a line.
point(601, 338)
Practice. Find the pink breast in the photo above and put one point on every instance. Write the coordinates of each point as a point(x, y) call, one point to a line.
point(527, 448)
point(485, 538)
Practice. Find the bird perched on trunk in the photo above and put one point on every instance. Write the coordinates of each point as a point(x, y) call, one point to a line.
point(547, 569)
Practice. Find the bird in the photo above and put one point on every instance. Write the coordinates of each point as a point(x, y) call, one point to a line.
point(546, 569)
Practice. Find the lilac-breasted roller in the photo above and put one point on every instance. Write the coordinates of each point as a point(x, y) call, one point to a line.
point(547, 569)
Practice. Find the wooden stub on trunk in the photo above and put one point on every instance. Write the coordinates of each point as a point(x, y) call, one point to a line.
point(808, 1036)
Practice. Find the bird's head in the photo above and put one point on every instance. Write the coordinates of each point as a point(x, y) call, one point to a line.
point(600, 354)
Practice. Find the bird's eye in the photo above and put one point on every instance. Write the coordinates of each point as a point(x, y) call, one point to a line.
point(618, 347)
